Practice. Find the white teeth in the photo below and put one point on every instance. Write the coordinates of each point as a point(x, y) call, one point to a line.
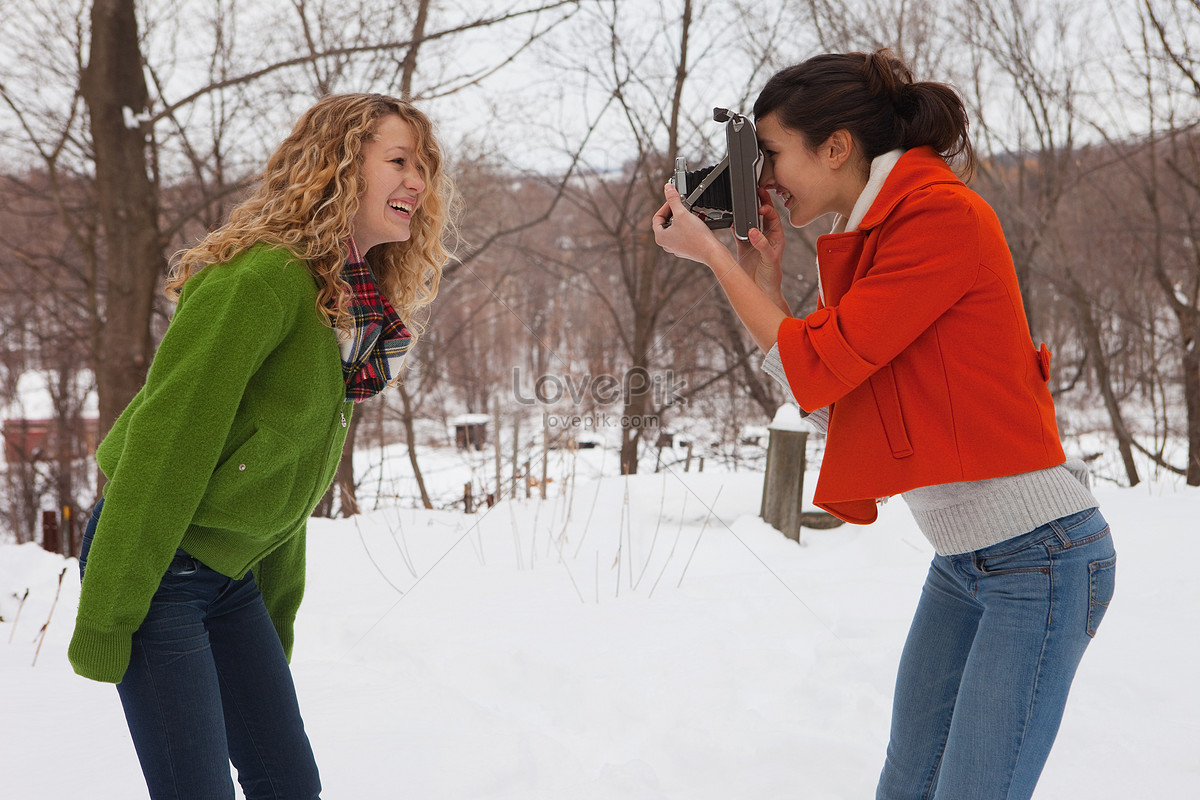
point(401, 207)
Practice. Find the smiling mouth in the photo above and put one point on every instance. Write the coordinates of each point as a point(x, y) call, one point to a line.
point(403, 208)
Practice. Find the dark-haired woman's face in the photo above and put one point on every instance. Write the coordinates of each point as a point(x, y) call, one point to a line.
point(392, 185)
point(810, 183)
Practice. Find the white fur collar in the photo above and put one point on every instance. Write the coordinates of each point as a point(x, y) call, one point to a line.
point(881, 167)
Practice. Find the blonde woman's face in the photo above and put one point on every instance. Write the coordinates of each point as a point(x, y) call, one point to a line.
point(394, 186)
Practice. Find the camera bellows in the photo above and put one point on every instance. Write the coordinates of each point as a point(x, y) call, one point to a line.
point(717, 197)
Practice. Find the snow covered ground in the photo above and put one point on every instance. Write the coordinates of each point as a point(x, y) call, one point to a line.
point(636, 638)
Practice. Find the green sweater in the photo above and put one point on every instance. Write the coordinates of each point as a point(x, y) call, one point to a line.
point(224, 452)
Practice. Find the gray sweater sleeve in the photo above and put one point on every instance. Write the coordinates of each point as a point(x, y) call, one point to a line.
point(773, 366)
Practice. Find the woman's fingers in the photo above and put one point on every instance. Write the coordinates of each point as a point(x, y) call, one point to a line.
point(662, 215)
point(681, 233)
point(672, 210)
point(768, 241)
point(770, 217)
point(767, 250)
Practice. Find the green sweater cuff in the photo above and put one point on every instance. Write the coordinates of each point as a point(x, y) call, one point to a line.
point(286, 629)
point(99, 653)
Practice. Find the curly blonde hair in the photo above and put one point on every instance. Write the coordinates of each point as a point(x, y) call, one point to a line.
point(307, 201)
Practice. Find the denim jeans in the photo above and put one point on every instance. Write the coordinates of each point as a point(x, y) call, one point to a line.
point(208, 683)
point(989, 660)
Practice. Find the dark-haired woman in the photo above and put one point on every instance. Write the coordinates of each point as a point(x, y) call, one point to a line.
point(919, 363)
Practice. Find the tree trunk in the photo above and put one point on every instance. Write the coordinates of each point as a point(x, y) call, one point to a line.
point(410, 436)
point(1091, 336)
point(114, 87)
point(637, 388)
point(1190, 364)
point(409, 65)
point(344, 478)
point(644, 298)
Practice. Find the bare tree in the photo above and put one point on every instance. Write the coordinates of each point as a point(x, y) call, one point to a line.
point(113, 86)
point(153, 176)
point(123, 120)
point(1174, 194)
point(614, 206)
point(45, 335)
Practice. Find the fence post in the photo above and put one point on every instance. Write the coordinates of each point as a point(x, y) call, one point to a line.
point(783, 484)
point(515, 453)
point(499, 464)
point(51, 541)
point(545, 462)
point(71, 537)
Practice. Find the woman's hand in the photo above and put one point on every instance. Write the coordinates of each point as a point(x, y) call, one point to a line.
point(762, 256)
point(681, 233)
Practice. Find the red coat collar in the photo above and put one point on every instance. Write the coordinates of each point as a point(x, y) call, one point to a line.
point(916, 169)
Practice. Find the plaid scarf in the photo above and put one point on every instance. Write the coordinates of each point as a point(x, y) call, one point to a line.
point(373, 352)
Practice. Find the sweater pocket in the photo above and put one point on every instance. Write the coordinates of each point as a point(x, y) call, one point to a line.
point(249, 491)
point(887, 401)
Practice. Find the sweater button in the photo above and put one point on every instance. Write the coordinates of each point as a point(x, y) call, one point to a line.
point(241, 467)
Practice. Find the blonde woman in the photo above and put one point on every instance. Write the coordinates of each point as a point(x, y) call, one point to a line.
point(193, 562)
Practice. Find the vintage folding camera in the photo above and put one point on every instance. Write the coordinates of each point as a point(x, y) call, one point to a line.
point(726, 193)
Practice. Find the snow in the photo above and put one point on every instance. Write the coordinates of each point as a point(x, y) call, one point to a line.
point(470, 419)
point(636, 638)
point(788, 418)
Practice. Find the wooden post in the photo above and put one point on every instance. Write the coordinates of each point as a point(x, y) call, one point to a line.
point(70, 537)
point(467, 503)
point(687, 465)
point(51, 541)
point(496, 428)
point(515, 454)
point(783, 485)
point(545, 460)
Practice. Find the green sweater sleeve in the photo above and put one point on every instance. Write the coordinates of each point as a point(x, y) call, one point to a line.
point(222, 331)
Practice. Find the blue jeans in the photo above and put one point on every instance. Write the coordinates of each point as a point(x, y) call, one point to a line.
point(989, 660)
point(208, 683)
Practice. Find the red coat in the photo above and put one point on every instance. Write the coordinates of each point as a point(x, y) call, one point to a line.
point(922, 348)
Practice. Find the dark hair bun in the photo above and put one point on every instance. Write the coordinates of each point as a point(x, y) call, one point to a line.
point(874, 97)
point(886, 76)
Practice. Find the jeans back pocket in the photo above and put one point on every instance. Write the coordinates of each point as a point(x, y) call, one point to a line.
point(1102, 580)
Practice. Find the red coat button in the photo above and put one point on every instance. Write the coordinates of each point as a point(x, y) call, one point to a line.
point(817, 318)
